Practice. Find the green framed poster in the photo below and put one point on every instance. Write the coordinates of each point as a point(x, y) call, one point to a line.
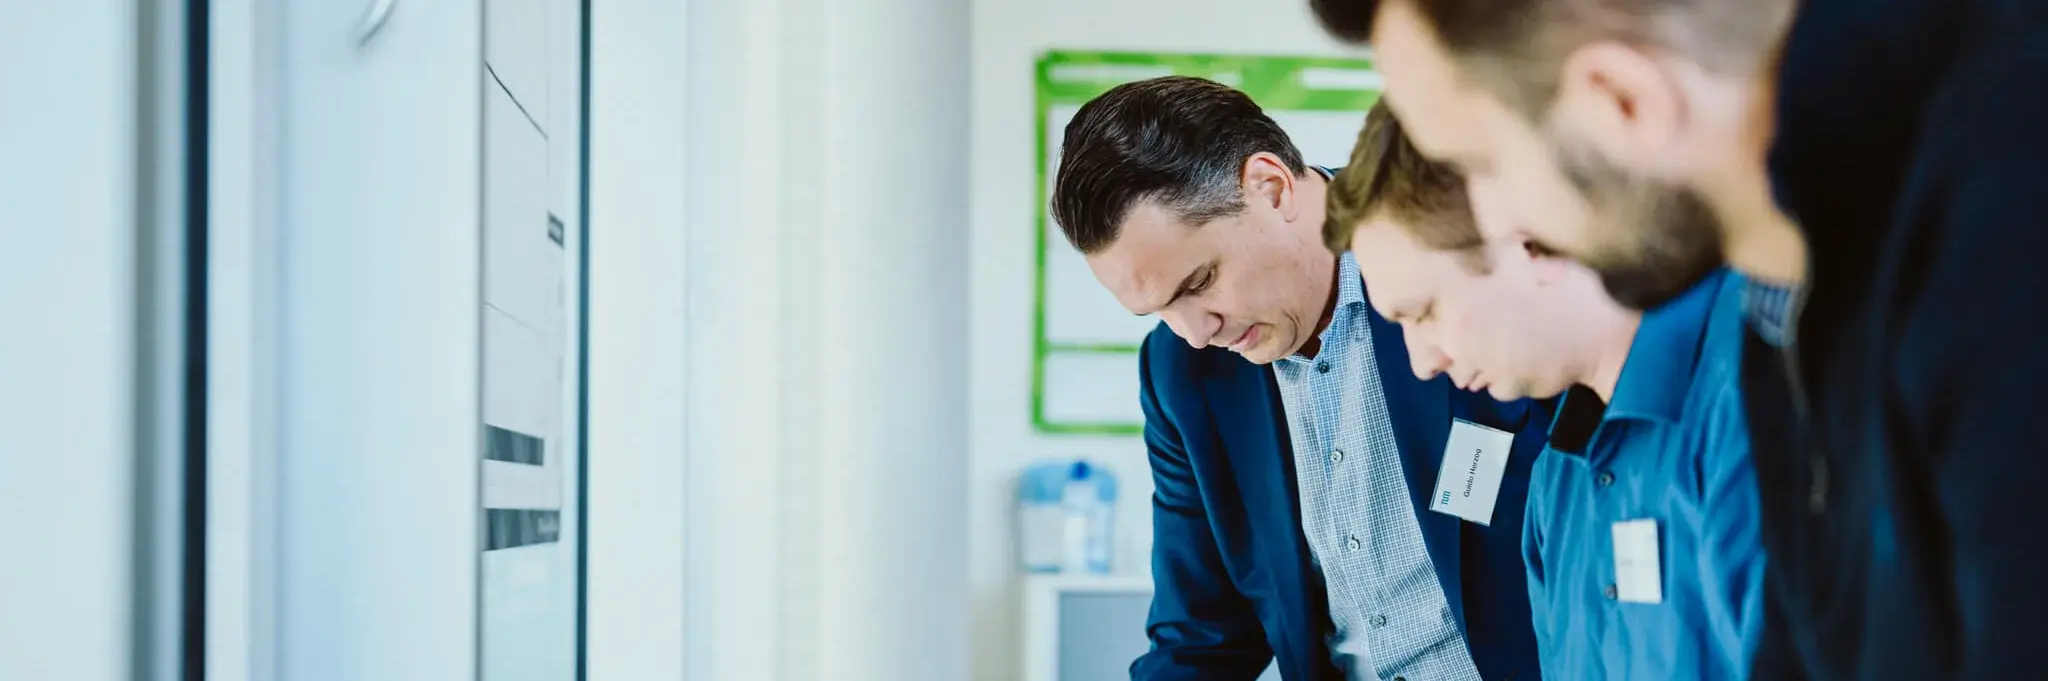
point(1084, 369)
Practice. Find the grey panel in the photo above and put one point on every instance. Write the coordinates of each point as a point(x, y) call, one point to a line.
point(1101, 633)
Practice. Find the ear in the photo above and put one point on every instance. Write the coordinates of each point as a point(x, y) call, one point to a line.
point(1623, 101)
point(1268, 182)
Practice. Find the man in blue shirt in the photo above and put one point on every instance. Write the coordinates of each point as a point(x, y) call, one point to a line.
point(1641, 535)
point(1875, 169)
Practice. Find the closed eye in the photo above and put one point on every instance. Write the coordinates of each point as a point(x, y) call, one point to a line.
point(1420, 317)
point(1194, 283)
point(1202, 284)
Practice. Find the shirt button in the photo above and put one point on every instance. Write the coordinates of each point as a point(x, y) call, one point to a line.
point(1336, 456)
point(1353, 543)
point(1603, 479)
point(1379, 620)
point(1609, 592)
point(1322, 367)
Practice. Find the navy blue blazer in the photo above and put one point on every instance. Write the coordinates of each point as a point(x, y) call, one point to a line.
point(1235, 585)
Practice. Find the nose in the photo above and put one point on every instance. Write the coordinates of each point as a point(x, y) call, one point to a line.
point(1196, 328)
point(1425, 357)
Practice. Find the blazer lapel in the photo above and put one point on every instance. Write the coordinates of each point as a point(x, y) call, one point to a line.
point(1245, 402)
point(1421, 412)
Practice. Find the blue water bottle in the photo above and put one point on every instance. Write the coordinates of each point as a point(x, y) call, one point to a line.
point(1041, 517)
point(1065, 512)
point(1088, 506)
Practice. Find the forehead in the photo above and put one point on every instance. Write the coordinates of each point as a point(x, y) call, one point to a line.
point(1399, 272)
point(1438, 108)
point(1153, 251)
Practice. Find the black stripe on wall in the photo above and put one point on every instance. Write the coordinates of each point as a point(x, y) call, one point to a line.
point(198, 68)
point(512, 446)
point(507, 528)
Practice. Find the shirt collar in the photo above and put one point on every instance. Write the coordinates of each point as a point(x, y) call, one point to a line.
point(1350, 284)
point(1659, 370)
point(1350, 298)
point(1768, 307)
point(1656, 377)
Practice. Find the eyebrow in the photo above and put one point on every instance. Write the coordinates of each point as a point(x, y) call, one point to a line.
point(1401, 312)
point(1186, 283)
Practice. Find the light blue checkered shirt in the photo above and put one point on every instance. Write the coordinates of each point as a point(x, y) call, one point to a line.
point(1392, 619)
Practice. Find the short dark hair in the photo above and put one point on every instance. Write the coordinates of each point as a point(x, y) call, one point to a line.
point(1177, 140)
point(1517, 48)
point(1347, 20)
point(1389, 177)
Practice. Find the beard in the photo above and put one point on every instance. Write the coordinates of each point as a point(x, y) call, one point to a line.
point(1650, 240)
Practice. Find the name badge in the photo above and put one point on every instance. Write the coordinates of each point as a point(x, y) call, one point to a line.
point(1469, 482)
point(1638, 578)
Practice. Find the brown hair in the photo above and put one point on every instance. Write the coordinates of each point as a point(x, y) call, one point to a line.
point(1387, 177)
point(1517, 48)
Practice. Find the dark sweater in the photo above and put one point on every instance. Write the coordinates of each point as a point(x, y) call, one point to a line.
point(1900, 451)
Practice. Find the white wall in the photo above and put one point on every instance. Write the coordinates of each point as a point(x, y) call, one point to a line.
point(67, 128)
point(892, 289)
point(734, 347)
point(241, 340)
point(826, 330)
point(1008, 37)
point(637, 288)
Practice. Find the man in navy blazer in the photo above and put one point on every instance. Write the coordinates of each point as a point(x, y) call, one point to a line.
point(1296, 458)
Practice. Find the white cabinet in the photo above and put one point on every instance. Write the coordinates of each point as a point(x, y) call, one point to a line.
point(517, 53)
point(528, 568)
point(522, 257)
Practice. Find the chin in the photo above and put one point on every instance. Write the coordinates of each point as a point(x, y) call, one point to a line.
point(1540, 391)
point(1268, 352)
point(1261, 356)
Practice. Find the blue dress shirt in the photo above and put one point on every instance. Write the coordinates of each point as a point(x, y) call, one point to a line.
point(1672, 448)
point(1389, 616)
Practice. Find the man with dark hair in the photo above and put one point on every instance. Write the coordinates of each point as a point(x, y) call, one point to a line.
point(1875, 168)
point(1648, 457)
point(1295, 458)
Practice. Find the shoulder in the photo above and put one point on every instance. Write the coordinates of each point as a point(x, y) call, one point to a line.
point(1171, 367)
point(1715, 406)
point(1165, 356)
point(1719, 361)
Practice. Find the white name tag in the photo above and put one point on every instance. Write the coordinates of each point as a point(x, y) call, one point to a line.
point(1469, 482)
point(1638, 578)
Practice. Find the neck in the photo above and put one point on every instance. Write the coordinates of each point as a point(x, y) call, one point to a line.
point(1311, 189)
point(1762, 241)
point(1758, 239)
point(1604, 370)
point(1315, 338)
